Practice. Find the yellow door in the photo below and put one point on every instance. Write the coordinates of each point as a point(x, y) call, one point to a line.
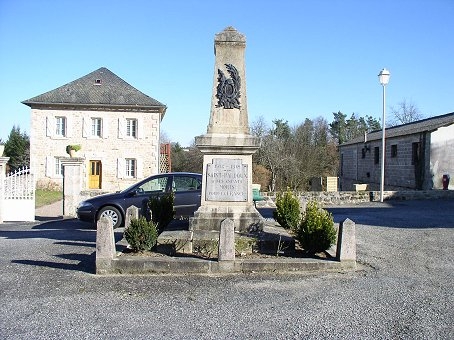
point(94, 175)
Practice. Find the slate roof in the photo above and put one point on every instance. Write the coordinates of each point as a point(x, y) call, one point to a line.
point(424, 125)
point(98, 89)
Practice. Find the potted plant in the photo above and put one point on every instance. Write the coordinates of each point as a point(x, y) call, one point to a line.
point(71, 149)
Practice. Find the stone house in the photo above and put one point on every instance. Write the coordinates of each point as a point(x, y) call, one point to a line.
point(418, 155)
point(116, 125)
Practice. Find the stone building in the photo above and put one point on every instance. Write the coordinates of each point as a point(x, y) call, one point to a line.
point(418, 155)
point(116, 125)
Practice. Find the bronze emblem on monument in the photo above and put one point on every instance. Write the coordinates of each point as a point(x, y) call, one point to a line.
point(228, 89)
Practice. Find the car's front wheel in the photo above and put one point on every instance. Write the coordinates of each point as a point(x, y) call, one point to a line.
point(112, 213)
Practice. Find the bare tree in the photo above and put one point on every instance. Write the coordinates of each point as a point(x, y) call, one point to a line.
point(406, 112)
point(294, 155)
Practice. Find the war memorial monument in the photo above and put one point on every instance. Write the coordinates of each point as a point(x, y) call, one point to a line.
point(227, 147)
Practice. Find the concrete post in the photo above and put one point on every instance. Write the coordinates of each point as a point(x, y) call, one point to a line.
point(72, 184)
point(3, 161)
point(131, 213)
point(227, 241)
point(105, 245)
point(346, 241)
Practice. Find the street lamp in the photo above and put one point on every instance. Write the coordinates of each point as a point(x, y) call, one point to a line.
point(383, 77)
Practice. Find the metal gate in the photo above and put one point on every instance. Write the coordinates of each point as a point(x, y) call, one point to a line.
point(19, 196)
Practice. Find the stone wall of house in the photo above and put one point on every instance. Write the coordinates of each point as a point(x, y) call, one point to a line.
point(360, 166)
point(45, 146)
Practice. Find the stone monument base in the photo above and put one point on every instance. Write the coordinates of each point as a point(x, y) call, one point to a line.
point(246, 218)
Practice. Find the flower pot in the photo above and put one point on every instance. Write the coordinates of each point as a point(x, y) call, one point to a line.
point(72, 153)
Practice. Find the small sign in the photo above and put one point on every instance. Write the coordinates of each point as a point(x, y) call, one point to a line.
point(227, 180)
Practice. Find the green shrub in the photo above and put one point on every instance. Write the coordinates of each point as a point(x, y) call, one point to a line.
point(316, 231)
point(141, 234)
point(75, 147)
point(287, 212)
point(162, 211)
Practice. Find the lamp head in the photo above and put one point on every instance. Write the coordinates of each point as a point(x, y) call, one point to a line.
point(383, 76)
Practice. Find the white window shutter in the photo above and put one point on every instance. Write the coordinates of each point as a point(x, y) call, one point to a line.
point(50, 126)
point(121, 128)
point(139, 168)
point(69, 127)
point(85, 127)
point(121, 167)
point(140, 128)
point(50, 166)
point(105, 128)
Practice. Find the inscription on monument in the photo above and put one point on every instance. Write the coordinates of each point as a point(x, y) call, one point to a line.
point(227, 181)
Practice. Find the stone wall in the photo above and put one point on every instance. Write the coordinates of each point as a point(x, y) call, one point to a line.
point(113, 146)
point(352, 197)
point(358, 163)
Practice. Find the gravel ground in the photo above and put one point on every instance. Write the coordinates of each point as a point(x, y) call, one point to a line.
point(403, 289)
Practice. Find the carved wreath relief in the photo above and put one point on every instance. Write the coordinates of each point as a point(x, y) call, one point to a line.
point(228, 90)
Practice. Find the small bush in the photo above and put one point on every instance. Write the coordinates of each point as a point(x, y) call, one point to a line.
point(141, 234)
point(316, 231)
point(287, 212)
point(75, 147)
point(162, 211)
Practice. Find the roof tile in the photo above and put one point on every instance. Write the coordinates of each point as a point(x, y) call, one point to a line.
point(98, 88)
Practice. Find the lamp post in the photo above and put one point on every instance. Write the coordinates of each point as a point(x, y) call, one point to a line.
point(383, 77)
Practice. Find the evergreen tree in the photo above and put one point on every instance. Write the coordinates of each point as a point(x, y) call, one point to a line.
point(343, 129)
point(17, 148)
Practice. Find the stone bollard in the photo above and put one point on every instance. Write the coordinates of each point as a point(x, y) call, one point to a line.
point(105, 245)
point(226, 250)
point(131, 213)
point(346, 242)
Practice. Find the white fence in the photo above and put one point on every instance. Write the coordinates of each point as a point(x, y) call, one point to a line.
point(19, 196)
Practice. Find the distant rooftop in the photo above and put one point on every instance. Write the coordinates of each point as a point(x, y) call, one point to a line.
point(98, 89)
point(428, 124)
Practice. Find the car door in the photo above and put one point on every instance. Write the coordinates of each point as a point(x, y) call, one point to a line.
point(187, 193)
point(153, 186)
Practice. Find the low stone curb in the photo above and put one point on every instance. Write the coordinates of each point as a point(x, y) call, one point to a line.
point(184, 265)
point(108, 261)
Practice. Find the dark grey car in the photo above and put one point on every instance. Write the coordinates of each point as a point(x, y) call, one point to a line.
point(186, 187)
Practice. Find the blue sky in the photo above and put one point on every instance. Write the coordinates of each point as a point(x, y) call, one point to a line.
point(304, 59)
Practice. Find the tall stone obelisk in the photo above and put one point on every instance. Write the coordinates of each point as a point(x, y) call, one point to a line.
point(227, 146)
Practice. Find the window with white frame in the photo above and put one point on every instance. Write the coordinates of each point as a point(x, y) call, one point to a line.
point(131, 128)
point(58, 167)
point(96, 127)
point(131, 167)
point(60, 126)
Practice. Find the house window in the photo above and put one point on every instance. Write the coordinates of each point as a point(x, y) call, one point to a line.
point(376, 155)
point(131, 167)
point(415, 152)
point(58, 167)
point(96, 127)
point(60, 126)
point(131, 128)
point(363, 153)
point(394, 150)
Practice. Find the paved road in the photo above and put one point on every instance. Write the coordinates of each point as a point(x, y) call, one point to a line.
point(404, 289)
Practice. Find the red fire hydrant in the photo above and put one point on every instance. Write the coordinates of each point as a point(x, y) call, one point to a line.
point(445, 182)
